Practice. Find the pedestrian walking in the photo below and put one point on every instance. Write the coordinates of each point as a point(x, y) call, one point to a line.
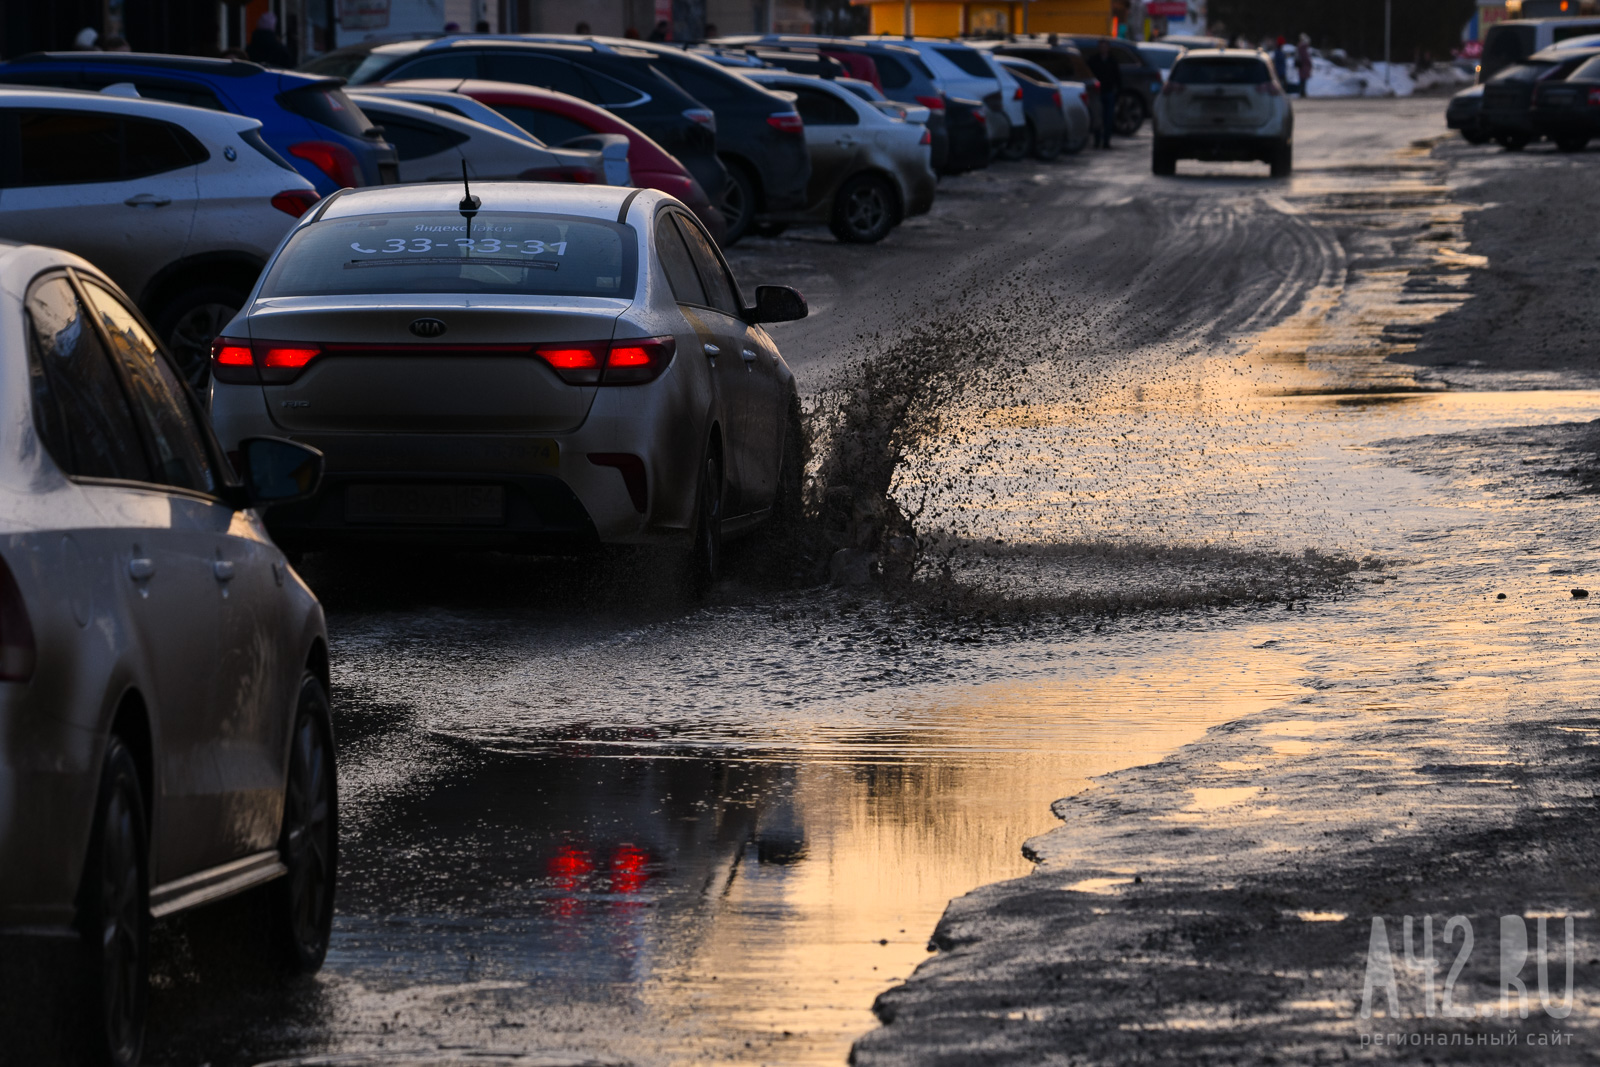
point(1302, 63)
point(1280, 61)
point(265, 47)
point(1103, 65)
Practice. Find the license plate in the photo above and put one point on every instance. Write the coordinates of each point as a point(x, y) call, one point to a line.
point(1220, 107)
point(475, 505)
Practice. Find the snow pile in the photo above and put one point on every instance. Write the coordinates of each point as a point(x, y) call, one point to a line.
point(1359, 78)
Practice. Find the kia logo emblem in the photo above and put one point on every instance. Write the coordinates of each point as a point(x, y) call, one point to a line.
point(428, 327)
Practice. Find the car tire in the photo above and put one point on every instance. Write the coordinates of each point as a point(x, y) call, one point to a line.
point(1129, 115)
point(1019, 146)
point(1474, 137)
point(788, 505)
point(1163, 162)
point(300, 904)
point(1572, 143)
point(1072, 148)
point(863, 210)
point(1282, 161)
point(189, 324)
point(115, 912)
point(704, 565)
point(1512, 142)
point(1045, 149)
point(738, 203)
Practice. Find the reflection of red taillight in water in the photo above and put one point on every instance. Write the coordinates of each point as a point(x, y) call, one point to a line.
point(628, 873)
point(569, 866)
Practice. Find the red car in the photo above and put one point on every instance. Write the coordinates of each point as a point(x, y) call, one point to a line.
point(556, 118)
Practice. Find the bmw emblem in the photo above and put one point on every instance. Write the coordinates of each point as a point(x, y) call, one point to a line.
point(428, 327)
point(229, 154)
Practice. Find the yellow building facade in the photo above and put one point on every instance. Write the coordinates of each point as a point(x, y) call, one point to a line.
point(955, 18)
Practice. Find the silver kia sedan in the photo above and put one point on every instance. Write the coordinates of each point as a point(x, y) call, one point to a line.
point(164, 728)
point(523, 365)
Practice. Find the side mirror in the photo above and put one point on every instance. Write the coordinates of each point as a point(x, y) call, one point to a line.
point(777, 303)
point(276, 471)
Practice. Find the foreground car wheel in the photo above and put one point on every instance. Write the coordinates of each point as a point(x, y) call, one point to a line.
point(301, 902)
point(1129, 115)
point(705, 558)
point(1474, 137)
point(1045, 149)
point(1282, 161)
point(1162, 161)
point(116, 911)
point(863, 211)
point(1512, 142)
point(189, 324)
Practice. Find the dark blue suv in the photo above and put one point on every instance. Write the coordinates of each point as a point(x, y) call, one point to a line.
point(308, 119)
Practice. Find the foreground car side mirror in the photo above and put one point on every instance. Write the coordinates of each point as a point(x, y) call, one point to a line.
point(777, 303)
point(276, 471)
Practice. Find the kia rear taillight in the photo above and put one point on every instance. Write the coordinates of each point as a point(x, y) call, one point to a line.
point(571, 175)
point(627, 362)
point(295, 202)
point(786, 122)
point(932, 103)
point(238, 362)
point(334, 160)
point(17, 651)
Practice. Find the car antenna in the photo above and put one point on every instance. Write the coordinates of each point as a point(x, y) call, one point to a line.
point(469, 203)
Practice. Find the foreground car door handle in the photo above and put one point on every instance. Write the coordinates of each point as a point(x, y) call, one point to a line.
point(223, 569)
point(148, 200)
point(712, 350)
point(141, 569)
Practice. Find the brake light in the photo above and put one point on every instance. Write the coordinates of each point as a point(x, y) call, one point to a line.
point(334, 160)
point(1172, 88)
point(17, 650)
point(1017, 95)
point(571, 175)
point(1594, 97)
point(238, 362)
point(1268, 88)
point(979, 114)
point(295, 202)
point(927, 136)
point(1084, 98)
point(703, 116)
point(1094, 85)
point(786, 122)
point(1056, 96)
point(289, 357)
point(932, 103)
point(627, 362)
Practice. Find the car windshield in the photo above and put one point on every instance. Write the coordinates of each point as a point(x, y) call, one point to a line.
point(328, 105)
point(1589, 72)
point(1221, 72)
point(1160, 58)
point(523, 254)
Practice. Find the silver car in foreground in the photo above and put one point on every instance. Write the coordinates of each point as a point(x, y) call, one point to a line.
point(164, 728)
point(871, 166)
point(528, 365)
point(1223, 104)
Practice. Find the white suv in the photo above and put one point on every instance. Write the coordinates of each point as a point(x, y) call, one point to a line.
point(180, 205)
point(1223, 104)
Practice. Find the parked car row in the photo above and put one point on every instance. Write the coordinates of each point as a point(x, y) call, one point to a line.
point(1552, 94)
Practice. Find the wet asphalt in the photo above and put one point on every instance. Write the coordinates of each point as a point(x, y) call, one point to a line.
point(585, 821)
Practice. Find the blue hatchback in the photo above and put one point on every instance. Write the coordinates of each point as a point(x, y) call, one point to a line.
point(308, 119)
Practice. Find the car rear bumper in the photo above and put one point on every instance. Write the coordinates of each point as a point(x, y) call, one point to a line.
point(1220, 147)
point(1559, 123)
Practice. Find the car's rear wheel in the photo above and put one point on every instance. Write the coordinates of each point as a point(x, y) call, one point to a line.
point(1162, 160)
point(1045, 149)
point(1282, 161)
point(1129, 115)
point(300, 904)
point(1474, 137)
point(1572, 143)
point(190, 323)
point(705, 557)
point(115, 911)
point(738, 203)
point(863, 210)
point(1512, 142)
point(1018, 145)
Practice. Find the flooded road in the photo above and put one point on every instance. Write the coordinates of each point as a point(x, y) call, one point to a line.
point(586, 823)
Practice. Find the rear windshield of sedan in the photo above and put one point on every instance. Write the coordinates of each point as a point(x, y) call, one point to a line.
point(504, 253)
point(1221, 72)
point(1589, 72)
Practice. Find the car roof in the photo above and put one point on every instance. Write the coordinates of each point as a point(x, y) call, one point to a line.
point(594, 201)
point(225, 68)
point(1562, 55)
point(1222, 53)
point(17, 95)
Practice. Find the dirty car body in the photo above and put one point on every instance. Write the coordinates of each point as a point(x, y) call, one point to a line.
point(558, 369)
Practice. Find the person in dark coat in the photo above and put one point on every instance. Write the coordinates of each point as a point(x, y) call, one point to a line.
point(265, 47)
point(1104, 66)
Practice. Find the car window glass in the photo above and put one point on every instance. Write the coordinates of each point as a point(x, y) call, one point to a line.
point(891, 72)
point(328, 106)
point(675, 261)
point(718, 286)
point(413, 138)
point(818, 107)
point(80, 411)
point(538, 70)
point(444, 65)
point(548, 126)
point(151, 148)
point(1221, 72)
point(69, 147)
point(915, 62)
point(174, 92)
point(606, 90)
point(704, 86)
point(1590, 71)
point(967, 61)
point(1030, 76)
point(159, 399)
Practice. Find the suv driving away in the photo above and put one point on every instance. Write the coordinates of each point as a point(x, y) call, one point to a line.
point(1223, 104)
